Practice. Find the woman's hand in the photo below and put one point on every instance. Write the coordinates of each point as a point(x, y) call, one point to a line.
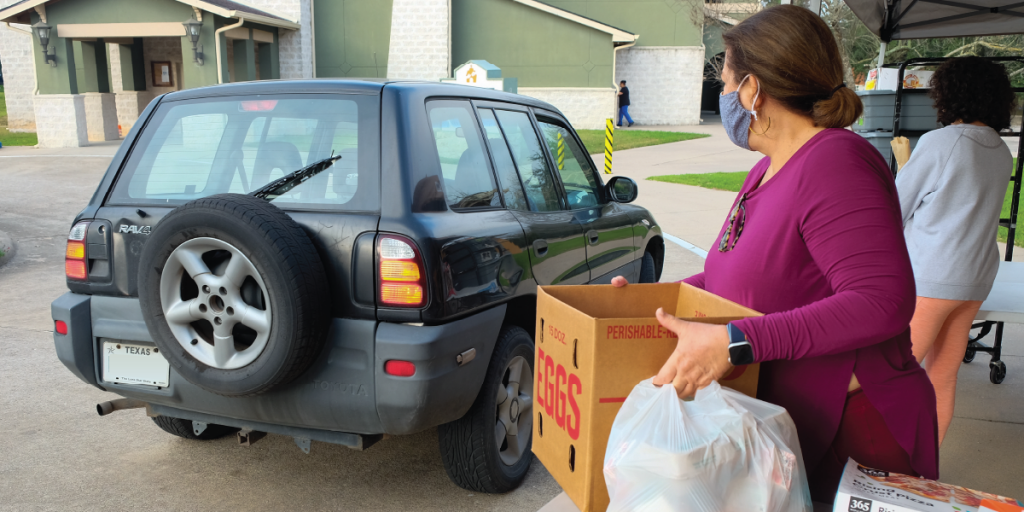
point(619, 281)
point(701, 356)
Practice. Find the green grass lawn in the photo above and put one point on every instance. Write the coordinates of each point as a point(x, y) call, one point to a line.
point(732, 181)
point(12, 139)
point(1019, 235)
point(628, 139)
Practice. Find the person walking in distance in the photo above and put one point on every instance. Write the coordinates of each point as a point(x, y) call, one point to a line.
point(624, 104)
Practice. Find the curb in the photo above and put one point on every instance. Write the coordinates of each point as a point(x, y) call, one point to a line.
point(7, 246)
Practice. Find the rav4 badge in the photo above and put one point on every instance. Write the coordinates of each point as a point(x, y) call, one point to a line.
point(132, 228)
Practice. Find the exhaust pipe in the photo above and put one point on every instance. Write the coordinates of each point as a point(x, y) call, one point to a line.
point(117, 405)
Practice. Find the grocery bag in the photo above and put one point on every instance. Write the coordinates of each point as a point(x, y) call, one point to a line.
point(721, 452)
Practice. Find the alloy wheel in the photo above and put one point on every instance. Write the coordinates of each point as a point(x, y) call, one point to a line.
point(514, 424)
point(215, 303)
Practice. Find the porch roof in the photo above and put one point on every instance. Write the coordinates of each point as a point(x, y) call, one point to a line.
point(19, 12)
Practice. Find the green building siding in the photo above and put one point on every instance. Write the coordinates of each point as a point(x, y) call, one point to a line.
point(116, 11)
point(500, 31)
point(658, 22)
point(352, 37)
point(713, 44)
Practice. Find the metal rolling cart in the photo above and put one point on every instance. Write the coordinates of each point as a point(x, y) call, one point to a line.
point(1006, 301)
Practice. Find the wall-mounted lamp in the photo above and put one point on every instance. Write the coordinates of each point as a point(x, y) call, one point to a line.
point(193, 29)
point(42, 31)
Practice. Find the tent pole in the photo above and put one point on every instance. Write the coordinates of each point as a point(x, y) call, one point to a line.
point(881, 53)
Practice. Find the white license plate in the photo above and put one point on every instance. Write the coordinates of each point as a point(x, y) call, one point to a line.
point(126, 363)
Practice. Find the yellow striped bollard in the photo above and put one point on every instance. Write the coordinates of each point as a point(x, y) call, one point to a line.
point(561, 151)
point(609, 137)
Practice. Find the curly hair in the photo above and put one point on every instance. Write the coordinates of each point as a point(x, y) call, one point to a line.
point(970, 89)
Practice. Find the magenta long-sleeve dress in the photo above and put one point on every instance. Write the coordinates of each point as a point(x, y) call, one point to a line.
point(822, 254)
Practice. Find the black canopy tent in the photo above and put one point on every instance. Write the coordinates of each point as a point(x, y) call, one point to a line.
point(922, 19)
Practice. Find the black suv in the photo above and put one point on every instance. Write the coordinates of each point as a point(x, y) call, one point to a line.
point(334, 260)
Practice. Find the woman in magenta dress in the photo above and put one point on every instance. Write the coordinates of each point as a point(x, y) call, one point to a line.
point(815, 242)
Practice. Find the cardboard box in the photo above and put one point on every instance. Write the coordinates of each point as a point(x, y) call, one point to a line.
point(886, 78)
point(863, 489)
point(594, 344)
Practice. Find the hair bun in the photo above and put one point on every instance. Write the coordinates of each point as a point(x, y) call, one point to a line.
point(839, 110)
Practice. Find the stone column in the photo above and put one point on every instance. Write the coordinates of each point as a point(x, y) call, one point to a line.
point(133, 67)
point(94, 83)
point(16, 53)
point(268, 61)
point(129, 105)
point(245, 59)
point(60, 120)
point(420, 36)
point(59, 108)
point(101, 116)
point(132, 97)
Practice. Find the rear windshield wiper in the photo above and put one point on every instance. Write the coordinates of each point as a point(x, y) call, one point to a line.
point(284, 184)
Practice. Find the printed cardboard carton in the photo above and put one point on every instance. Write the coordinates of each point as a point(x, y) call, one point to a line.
point(863, 489)
point(885, 79)
point(594, 344)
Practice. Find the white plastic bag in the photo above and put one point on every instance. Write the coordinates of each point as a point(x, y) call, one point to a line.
point(721, 452)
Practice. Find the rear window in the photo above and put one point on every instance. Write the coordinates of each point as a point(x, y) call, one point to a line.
point(193, 149)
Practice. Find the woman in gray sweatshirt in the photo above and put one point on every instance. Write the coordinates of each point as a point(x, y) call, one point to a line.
point(951, 193)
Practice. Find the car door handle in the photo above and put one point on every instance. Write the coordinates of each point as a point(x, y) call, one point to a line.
point(593, 237)
point(540, 247)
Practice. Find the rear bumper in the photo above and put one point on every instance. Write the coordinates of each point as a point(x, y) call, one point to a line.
point(345, 390)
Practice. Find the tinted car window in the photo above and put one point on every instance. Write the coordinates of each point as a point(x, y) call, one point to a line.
point(192, 149)
point(507, 174)
point(581, 185)
point(468, 182)
point(184, 162)
point(529, 159)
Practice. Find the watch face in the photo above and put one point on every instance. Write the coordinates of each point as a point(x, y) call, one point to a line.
point(741, 353)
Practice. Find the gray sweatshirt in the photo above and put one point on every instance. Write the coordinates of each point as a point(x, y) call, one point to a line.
point(951, 193)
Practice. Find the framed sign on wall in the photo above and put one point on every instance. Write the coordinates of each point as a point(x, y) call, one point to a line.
point(162, 74)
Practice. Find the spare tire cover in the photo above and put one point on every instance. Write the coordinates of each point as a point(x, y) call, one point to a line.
point(234, 294)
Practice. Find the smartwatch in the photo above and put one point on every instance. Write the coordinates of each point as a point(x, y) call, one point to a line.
point(740, 350)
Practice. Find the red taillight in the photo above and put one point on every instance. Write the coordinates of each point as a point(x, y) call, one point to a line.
point(74, 255)
point(60, 327)
point(399, 368)
point(75, 270)
point(401, 294)
point(257, 105)
point(401, 273)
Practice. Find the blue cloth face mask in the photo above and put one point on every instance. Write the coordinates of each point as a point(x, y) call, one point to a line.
point(736, 118)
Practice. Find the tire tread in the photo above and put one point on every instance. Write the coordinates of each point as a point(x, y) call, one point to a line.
point(183, 428)
point(464, 442)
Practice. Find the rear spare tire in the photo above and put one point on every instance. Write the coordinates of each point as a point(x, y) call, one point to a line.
point(234, 294)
